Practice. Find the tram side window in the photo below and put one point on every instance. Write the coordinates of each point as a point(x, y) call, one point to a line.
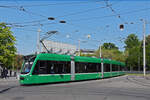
point(52, 67)
point(123, 68)
point(43, 67)
point(119, 68)
point(106, 67)
point(81, 67)
point(57, 67)
point(67, 67)
point(40, 67)
point(92, 67)
point(114, 67)
point(98, 67)
point(36, 68)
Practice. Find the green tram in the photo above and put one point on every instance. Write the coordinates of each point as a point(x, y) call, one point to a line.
point(48, 68)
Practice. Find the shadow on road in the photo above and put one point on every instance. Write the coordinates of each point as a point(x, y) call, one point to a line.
point(6, 89)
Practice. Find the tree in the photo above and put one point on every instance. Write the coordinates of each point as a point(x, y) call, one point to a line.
point(18, 61)
point(147, 43)
point(133, 57)
point(111, 51)
point(131, 41)
point(109, 46)
point(133, 48)
point(7, 45)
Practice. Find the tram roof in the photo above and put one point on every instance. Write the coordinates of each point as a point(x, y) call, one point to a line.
point(58, 57)
point(87, 59)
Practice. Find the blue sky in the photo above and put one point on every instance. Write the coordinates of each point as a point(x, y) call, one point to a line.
point(82, 18)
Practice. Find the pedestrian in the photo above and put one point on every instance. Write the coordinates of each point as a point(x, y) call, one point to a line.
point(10, 73)
point(5, 72)
point(1, 73)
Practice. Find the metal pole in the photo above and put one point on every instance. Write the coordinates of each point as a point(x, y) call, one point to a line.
point(100, 51)
point(144, 59)
point(38, 41)
point(102, 65)
point(79, 47)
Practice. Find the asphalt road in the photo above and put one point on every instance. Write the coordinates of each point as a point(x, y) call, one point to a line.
point(118, 88)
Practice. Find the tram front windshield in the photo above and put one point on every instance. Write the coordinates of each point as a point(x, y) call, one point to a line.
point(27, 67)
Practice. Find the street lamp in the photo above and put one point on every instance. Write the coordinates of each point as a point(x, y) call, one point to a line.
point(62, 21)
point(52, 32)
point(121, 27)
point(144, 51)
point(88, 36)
point(51, 18)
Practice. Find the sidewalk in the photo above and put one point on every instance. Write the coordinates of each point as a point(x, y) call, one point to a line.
point(8, 79)
point(145, 81)
point(6, 84)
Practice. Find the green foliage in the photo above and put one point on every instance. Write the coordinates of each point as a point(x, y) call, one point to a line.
point(7, 45)
point(147, 42)
point(133, 57)
point(133, 54)
point(113, 54)
point(109, 51)
point(109, 46)
point(148, 52)
point(18, 61)
point(131, 41)
point(88, 55)
point(133, 48)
